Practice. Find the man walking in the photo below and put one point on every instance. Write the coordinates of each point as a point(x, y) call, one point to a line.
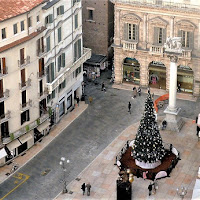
point(77, 100)
point(150, 189)
point(88, 186)
point(139, 91)
point(83, 188)
point(129, 107)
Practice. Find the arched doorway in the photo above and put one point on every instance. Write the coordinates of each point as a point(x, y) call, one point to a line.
point(185, 78)
point(131, 70)
point(157, 75)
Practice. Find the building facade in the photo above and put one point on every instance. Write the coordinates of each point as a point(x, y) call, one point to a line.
point(98, 25)
point(41, 60)
point(141, 29)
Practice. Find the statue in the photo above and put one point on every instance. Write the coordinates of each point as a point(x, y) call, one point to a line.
point(173, 45)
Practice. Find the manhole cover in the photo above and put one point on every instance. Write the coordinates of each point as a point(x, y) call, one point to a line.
point(45, 172)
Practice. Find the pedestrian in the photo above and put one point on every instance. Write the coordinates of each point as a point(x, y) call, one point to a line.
point(139, 91)
point(88, 186)
point(129, 107)
point(155, 186)
point(134, 92)
point(179, 87)
point(198, 123)
point(77, 100)
point(83, 188)
point(152, 96)
point(102, 86)
point(150, 188)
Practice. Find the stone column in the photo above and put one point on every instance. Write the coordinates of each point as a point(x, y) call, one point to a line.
point(174, 122)
point(145, 31)
point(117, 28)
point(172, 27)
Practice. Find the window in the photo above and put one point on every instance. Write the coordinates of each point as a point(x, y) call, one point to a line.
point(15, 29)
point(38, 18)
point(3, 33)
point(43, 107)
point(49, 19)
point(29, 22)
point(50, 73)
point(132, 32)
point(187, 39)
point(48, 44)
point(75, 1)
point(78, 71)
point(3, 69)
point(76, 21)
point(60, 10)
point(40, 46)
point(22, 25)
point(51, 96)
point(59, 34)
point(61, 61)
point(25, 116)
point(77, 50)
point(4, 130)
point(61, 86)
point(24, 99)
point(159, 36)
point(90, 14)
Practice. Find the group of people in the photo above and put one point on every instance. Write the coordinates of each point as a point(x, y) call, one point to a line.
point(86, 186)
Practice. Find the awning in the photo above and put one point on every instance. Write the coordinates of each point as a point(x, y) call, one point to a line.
point(14, 144)
point(3, 153)
point(43, 126)
point(26, 137)
point(157, 68)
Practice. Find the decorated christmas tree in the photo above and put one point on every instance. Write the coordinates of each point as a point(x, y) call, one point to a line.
point(148, 147)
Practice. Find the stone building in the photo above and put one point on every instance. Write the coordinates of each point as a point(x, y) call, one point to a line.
point(98, 25)
point(41, 60)
point(141, 29)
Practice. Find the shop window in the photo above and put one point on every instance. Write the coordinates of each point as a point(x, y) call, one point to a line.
point(22, 148)
point(159, 36)
point(25, 117)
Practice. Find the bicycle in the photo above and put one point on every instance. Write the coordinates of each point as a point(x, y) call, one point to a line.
point(15, 166)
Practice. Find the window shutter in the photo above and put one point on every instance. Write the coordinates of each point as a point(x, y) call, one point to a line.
point(50, 18)
point(52, 72)
point(59, 34)
point(27, 115)
point(46, 20)
point(125, 31)
point(57, 11)
point(63, 59)
point(163, 35)
point(155, 40)
point(179, 33)
point(61, 10)
point(137, 33)
point(75, 52)
point(79, 48)
point(59, 63)
point(76, 21)
point(191, 40)
point(48, 44)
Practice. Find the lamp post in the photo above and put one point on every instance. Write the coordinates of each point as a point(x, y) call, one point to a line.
point(62, 164)
point(181, 192)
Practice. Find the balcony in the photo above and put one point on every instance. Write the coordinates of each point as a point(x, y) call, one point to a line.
point(4, 117)
point(4, 95)
point(156, 50)
point(43, 94)
point(3, 72)
point(41, 74)
point(41, 52)
point(24, 129)
point(24, 62)
point(85, 56)
point(186, 54)
point(130, 46)
point(26, 106)
point(25, 85)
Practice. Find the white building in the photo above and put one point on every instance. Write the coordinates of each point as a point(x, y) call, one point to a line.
point(41, 57)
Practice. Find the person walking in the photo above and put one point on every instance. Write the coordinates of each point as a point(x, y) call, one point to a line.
point(139, 91)
point(102, 86)
point(83, 188)
point(77, 100)
point(134, 92)
point(129, 107)
point(88, 186)
point(150, 189)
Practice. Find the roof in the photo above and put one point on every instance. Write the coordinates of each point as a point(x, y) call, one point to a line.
point(12, 8)
point(96, 59)
point(50, 4)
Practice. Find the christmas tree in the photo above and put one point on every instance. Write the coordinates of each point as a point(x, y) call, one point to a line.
point(148, 145)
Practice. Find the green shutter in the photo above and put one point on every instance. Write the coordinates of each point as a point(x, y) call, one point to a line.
point(79, 48)
point(63, 59)
point(59, 63)
point(156, 32)
point(125, 31)
point(57, 11)
point(50, 18)
point(48, 43)
point(61, 10)
point(163, 35)
point(59, 35)
point(48, 79)
point(76, 21)
point(75, 51)
point(191, 40)
point(52, 72)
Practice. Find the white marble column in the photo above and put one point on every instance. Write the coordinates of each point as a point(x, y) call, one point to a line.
point(172, 27)
point(145, 30)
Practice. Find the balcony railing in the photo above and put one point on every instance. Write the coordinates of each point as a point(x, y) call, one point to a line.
point(130, 46)
point(24, 62)
point(26, 105)
point(186, 54)
point(25, 85)
point(4, 95)
point(4, 117)
point(41, 52)
point(86, 55)
point(3, 72)
point(154, 49)
point(24, 130)
point(41, 74)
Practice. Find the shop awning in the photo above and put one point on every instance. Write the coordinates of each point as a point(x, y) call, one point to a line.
point(3, 153)
point(43, 126)
point(26, 137)
point(185, 73)
point(14, 144)
point(157, 68)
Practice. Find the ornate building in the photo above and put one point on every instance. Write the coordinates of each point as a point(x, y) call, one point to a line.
point(141, 29)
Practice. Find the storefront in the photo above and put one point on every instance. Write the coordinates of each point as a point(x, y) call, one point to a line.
point(157, 75)
point(185, 78)
point(131, 71)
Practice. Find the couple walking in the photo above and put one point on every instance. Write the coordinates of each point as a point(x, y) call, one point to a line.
point(88, 186)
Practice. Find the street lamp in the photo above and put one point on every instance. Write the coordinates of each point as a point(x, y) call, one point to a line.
point(181, 192)
point(62, 164)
